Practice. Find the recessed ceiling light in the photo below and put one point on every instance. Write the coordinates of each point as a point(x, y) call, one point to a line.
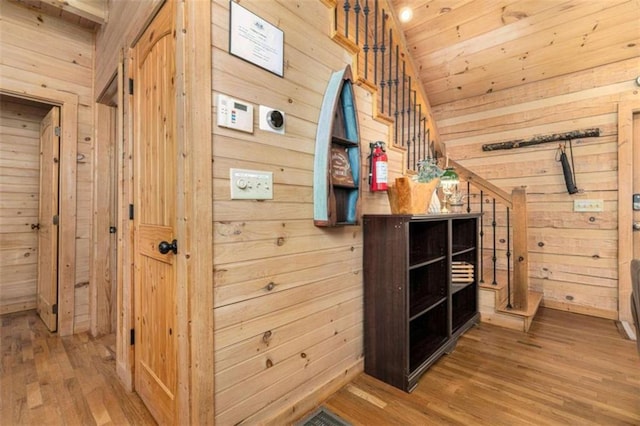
point(406, 14)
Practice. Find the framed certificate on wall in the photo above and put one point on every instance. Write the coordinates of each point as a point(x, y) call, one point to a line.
point(255, 40)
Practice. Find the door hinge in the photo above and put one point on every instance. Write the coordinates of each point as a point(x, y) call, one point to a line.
point(57, 131)
point(132, 337)
point(130, 211)
point(55, 219)
point(54, 309)
point(131, 86)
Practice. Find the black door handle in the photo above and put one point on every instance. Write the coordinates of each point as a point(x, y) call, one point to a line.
point(164, 247)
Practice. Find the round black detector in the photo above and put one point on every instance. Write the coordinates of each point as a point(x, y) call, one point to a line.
point(275, 119)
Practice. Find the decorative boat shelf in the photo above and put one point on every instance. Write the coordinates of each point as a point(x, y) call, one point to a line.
point(336, 180)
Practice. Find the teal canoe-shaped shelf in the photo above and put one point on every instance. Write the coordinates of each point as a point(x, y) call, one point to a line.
point(336, 179)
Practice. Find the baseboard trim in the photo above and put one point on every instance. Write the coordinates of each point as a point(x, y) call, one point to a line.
point(628, 328)
point(314, 399)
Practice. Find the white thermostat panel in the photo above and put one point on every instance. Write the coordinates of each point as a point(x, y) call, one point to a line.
point(235, 114)
point(251, 184)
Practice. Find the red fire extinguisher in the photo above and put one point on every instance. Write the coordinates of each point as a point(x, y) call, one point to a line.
point(378, 167)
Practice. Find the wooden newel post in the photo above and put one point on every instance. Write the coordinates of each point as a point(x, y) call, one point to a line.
point(520, 252)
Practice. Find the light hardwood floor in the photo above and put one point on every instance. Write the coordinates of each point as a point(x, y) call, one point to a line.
point(48, 380)
point(568, 369)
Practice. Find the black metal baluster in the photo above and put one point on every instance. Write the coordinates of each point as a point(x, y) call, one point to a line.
point(346, 8)
point(402, 112)
point(494, 258)
point(409, 145)
point(396, 85)
point(420, 134)
point(508, 264)
point(433, 146)
point(382, 82)
point(356, 10)
point(413, 139)
point(468, 197)
point(481, 237)
point(375, 42)
point(425, 137)
point(365, 47)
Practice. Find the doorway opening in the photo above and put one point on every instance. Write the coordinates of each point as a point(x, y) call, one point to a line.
point(29, 159)
point(66, 216)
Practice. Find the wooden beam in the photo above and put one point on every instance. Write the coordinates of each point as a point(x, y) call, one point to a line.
point(537, 140)
point(124, 291)
point(92, 10)
point(195, 198)
point(520, 250)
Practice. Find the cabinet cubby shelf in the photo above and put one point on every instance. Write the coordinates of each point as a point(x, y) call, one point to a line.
point(459, 286)
point(427, 307)
point(428, 262)
point(415, 305)
point(459, 251)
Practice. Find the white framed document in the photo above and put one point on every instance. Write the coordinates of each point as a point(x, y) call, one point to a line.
point(255, 40)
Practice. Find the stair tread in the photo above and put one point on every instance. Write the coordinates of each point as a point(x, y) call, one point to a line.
point(533, 301)
point(501, 279)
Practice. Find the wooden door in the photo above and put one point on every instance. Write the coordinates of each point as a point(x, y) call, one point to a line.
point(636, 183)
point(628, 217)
point(47, 287)
point(155, 156)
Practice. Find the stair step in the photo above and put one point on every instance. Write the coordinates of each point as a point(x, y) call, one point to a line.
point(500, 287)
point(533, 302)
point(501, 279)
point(515, 318)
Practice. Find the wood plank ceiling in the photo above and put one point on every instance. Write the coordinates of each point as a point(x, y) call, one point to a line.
point(466, 48)
point(85, 13)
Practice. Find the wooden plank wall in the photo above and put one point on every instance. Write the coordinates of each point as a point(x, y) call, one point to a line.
point(288, 295)
point(44, 51)
point(19, 183)
point(126, 20)
point(573, 255)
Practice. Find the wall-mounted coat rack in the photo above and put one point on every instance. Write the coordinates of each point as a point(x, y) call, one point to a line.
point(537, 140)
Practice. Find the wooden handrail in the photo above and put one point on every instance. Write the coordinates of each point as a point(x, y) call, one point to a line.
point(481, 183)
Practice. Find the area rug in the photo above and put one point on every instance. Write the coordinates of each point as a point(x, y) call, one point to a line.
point(323, 417)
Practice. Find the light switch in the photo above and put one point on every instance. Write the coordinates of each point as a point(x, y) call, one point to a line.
point(251, 184)
point(588, 205)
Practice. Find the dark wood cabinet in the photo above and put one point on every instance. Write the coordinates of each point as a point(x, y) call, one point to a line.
point(420, 291)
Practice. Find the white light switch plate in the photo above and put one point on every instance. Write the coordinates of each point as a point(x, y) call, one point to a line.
point(588, 205)
point(251, 184)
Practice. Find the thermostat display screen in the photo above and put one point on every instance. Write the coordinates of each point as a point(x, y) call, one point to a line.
point(241, 107)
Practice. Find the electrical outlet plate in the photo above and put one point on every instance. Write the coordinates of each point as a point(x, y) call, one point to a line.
point(588, 205)
point(251, 184)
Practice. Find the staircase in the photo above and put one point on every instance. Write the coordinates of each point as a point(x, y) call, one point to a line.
point(493, 306)
point(367, 30)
